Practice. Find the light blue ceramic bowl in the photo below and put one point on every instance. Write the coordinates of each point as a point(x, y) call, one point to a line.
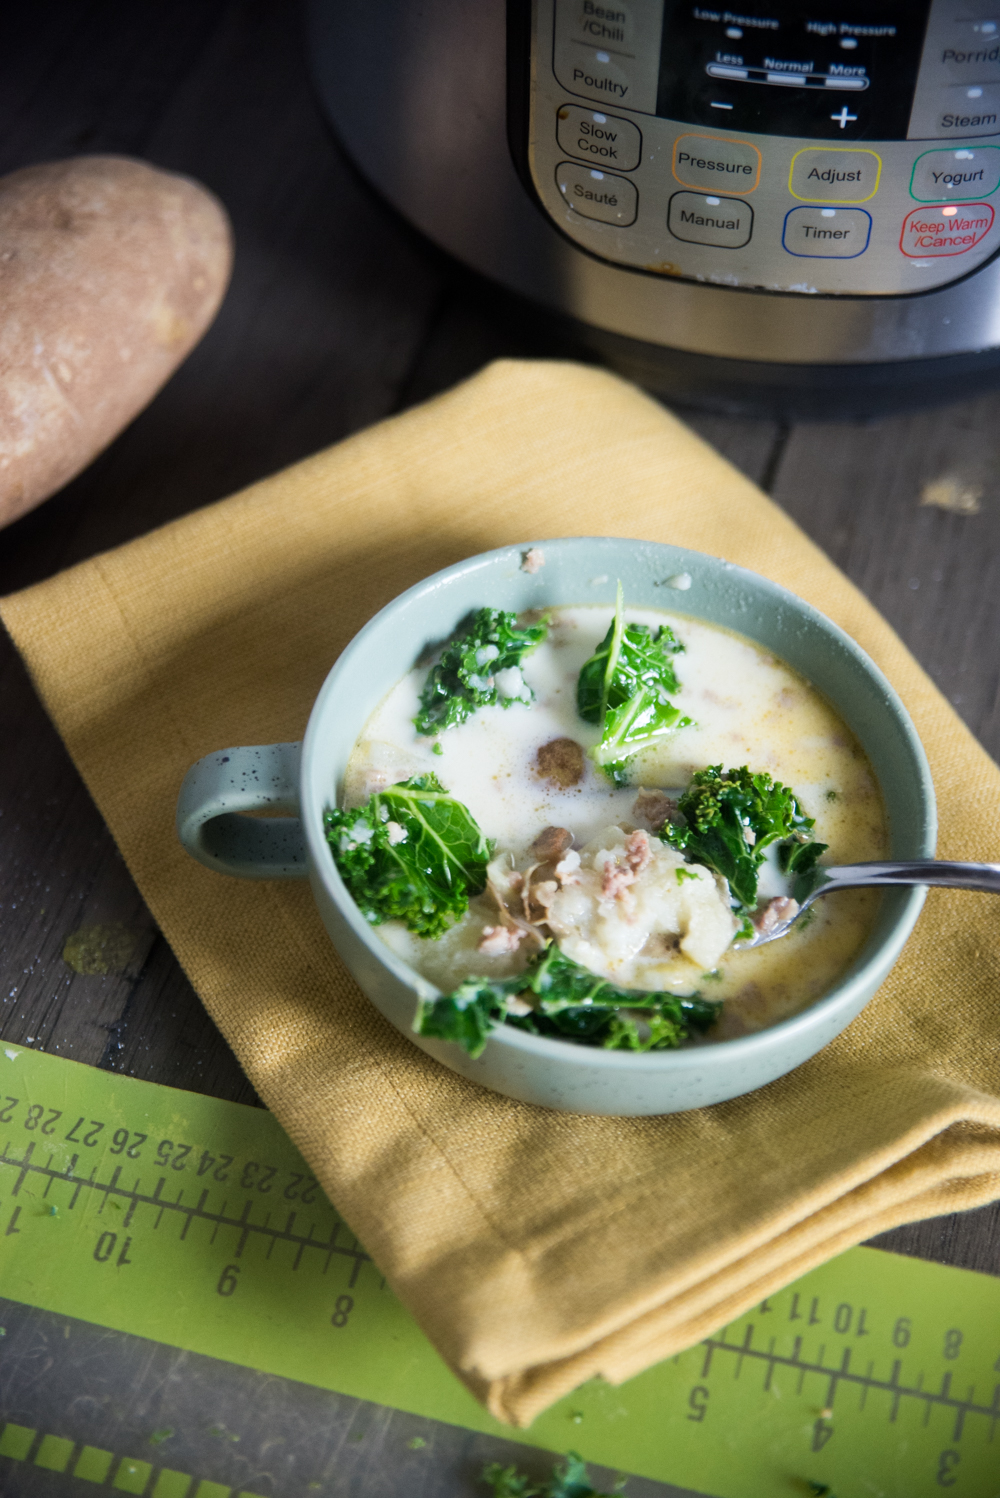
point(304, 780)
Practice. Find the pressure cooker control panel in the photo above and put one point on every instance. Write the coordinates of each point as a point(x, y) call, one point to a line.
point(851, 151)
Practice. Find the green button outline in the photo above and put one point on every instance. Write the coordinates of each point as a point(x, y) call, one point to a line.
point(972, 197)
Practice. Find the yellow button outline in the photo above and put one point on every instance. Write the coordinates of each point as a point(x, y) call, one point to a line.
point(843, 151)
point(723, 140)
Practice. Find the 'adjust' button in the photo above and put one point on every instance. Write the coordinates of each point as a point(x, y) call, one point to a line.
point(821, 174)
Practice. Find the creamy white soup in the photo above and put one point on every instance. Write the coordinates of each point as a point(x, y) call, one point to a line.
point(577, 857)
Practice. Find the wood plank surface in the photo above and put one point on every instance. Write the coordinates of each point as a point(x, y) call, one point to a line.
point(339, 314)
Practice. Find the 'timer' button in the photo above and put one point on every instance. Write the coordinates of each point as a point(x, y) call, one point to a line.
point(709, 162)
point(726, 222)
point(594, 194)
point(827, 233)
point(603, 139)
point(821, 174)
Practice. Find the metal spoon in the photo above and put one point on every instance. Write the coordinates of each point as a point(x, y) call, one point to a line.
point(822, 881)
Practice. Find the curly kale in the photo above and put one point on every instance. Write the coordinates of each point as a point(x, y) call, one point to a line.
point(412, 854)
point(625, 686)
point(567, 1481)
point(731, 817)
point(568, 1002)
point(468, 675)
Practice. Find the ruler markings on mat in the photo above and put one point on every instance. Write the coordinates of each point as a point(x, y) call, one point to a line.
point(195, 1222)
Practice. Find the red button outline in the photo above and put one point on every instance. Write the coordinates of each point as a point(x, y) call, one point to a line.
point(941, 254)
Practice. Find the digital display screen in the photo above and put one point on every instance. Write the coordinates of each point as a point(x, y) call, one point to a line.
point(784, 70)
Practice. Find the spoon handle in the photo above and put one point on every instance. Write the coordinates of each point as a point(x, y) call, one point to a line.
point(981, 876)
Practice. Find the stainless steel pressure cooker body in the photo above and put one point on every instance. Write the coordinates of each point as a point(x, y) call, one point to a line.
point(774, 197)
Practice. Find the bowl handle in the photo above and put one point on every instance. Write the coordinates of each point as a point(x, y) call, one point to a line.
point(261, 777)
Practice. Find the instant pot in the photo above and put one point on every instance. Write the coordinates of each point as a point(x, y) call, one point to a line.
point(773, 204)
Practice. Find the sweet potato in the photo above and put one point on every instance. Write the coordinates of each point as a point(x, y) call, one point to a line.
point(110, 272)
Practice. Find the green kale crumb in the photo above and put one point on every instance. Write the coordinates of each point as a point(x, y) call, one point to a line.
point(159, 1436)
point(832, 796)
point(713, 977)
point(806, 918)
point(683, 874)
point(417, 1444)
point(569, 1480)
point(436, 747)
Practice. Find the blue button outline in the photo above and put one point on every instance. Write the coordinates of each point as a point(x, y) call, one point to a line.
point(847, 208)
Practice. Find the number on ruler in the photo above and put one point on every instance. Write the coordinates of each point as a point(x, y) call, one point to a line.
point(219, 1167)
point(90, 1138)
point(106, 1244)
point(698, 1402)
point(947, 1462)
point(901, 1332)
point(120, 1142)
point(6, 1114)
point(342, 1309)
point(228, 1280)
point(952, 1343)
point(822, 1431)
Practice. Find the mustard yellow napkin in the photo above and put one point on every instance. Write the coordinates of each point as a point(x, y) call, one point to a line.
point(535, 1248)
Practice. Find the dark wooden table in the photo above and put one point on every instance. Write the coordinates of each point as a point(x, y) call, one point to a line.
point(339, 315)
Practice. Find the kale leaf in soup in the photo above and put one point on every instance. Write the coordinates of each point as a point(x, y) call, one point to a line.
point(480, 668)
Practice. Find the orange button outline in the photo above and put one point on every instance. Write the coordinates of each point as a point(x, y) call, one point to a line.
point(844, 151)
point(724, 140)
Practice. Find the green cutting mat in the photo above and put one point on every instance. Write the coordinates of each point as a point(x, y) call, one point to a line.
point(195, 1222)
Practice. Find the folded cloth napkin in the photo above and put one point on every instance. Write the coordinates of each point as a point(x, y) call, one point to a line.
point(536, 1249)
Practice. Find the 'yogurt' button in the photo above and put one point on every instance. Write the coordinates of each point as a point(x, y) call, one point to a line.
point(931, 232)
point(956, 173)
point(603, 139)
point(827, 233)
point(600, 195)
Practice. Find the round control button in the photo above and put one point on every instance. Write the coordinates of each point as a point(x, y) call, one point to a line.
point(948, 176)
point(600, 195)
point(603, 139)
point(700, 219)
point(931, 232)
point(711, 161)
point(827, 233)
point(824, 174)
